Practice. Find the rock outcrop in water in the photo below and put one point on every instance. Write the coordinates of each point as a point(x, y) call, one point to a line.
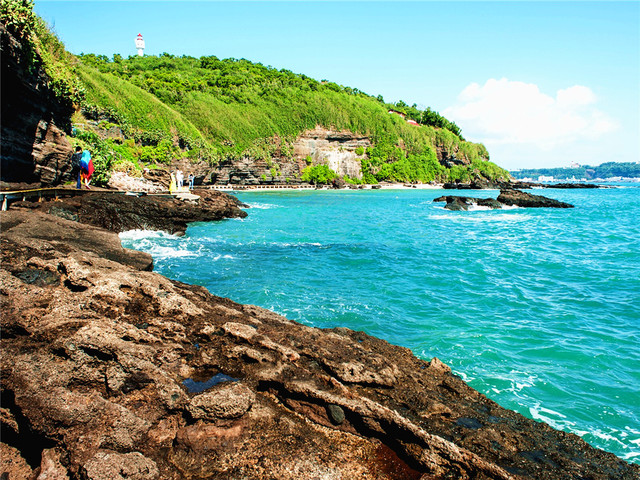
point(112, 372)
point(506, 198)
point(528, 200)
point(455, 202)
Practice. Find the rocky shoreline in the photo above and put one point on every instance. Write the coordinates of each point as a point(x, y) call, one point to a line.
point(111, 371)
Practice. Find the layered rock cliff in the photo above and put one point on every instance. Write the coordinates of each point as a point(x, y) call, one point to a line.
point(35, 150)
point(320, 146)
point(112, 372)
point(335, 149)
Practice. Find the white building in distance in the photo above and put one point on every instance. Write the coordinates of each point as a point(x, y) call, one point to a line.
point(140, 45)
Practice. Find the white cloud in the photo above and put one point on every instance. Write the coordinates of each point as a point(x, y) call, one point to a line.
point(503, 112)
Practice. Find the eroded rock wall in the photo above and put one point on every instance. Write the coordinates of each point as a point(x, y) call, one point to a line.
point(321, 145)
point(332, 148)
point(35, 150)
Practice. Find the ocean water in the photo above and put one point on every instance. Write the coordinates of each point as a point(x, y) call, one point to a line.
point(539, 309)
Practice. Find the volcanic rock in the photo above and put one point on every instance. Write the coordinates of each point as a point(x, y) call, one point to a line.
point(226, 400)
point(118, 212)
point(506, 197)
point(463, 203)
point(524, 199)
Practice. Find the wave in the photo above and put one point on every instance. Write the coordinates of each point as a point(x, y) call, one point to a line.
point(262, 206)
point(159, 245)
point(144, 234)
point(489, 217)
point(170, 252)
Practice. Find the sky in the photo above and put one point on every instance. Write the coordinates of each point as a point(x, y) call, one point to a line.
point(541, 84)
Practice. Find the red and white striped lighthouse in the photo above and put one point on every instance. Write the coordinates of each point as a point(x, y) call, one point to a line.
point(140, 45)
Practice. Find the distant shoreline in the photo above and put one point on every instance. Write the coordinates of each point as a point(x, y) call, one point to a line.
point(267, 188)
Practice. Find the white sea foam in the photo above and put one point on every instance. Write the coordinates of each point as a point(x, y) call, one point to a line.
point(222, 257)
point(555, 419)
point(143, 234)
point(517, 381)
point(172, 252)
point(560, 422)
point(262, 206)
point(501, 217)
point(301, 244)
point(280, 244)
point(474, 207)
point(159, 244)
point(482, 217)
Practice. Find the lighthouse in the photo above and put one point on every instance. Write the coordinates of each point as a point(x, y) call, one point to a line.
point(140, 45)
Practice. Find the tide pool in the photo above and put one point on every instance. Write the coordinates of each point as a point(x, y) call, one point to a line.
point(539, 309)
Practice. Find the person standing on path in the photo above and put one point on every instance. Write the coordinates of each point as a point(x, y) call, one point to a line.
point(75, 167)
point(174, 184)
point(86, 167)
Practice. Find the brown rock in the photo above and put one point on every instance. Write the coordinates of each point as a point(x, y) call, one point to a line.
point(527, 200)
point(12, 465)
point(62, 234)
point(118, 212)
point(51, 467)
point(106, 465)
point(224, 401)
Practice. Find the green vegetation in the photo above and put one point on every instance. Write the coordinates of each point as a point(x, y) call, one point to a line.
point(102, 155)
point(170, 107)
point(318, 175)
point(236, 106)
point(427, 117)
point(140, 114)
point(18, 17)
point(605, 170)
point(42, 50)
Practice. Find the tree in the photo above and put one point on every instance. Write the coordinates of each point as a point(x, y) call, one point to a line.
point(318, 175)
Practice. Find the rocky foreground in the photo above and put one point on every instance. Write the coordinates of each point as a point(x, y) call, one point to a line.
point(111, 371)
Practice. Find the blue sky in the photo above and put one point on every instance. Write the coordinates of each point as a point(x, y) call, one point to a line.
point(539, 83)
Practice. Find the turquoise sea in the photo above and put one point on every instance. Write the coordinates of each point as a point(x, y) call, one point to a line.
point(539, 309)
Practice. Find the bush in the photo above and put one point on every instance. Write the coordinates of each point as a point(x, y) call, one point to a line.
point(318, 175)
point(128, 167)
point(18, 17)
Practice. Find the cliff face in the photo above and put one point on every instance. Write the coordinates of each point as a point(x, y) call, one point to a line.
point(112, 372)
point(35, 150)
point(250, 171)
point(323, 146)
point(335, 149)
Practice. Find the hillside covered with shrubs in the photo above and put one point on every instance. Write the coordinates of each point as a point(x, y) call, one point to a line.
point(169, 108)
